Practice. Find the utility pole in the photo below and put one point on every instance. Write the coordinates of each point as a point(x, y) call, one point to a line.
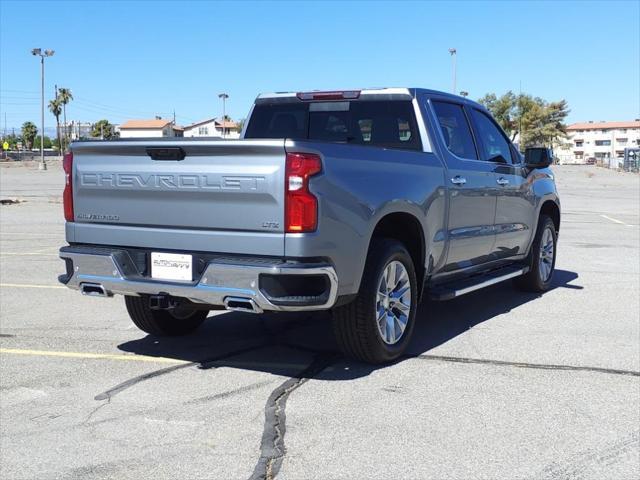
point(454, 54)
point(520, 119)
point(224, 97)
point(39, 53)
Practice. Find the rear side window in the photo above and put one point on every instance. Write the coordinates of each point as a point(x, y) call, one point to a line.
point(387, 124)
point(455, 129)
point(495, 146)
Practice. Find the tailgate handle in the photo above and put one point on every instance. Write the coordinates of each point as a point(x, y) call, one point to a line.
point(166, 153)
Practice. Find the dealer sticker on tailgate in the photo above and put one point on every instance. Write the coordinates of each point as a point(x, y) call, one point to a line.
point(171, 266)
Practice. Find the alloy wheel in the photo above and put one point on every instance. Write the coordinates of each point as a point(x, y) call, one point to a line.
point(547, 251)
point(393, 302)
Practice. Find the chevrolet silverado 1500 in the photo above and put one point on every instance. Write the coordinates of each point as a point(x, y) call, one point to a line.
point(360, 202)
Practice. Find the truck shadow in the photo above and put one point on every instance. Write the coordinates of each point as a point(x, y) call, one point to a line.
point(285, 344)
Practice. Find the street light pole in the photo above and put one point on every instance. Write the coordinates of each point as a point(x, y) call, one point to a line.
point(224, 97)
point(42, 55)
point(453, 53)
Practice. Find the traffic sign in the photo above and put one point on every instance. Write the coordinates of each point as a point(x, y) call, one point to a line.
point(5, 146)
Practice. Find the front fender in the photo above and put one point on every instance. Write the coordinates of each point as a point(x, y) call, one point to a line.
point(544, 190)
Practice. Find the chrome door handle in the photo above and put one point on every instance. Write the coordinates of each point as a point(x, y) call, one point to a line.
point(458, 180)
point(502, 181)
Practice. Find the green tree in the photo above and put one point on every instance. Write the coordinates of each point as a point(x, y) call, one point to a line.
point(503, 110)
point(29, 132)
point(241, 124)
point(12, 140)
point(542, 122)
point(65, 96)
point(103, 129)
point(55, 107)
point(47, 142)
point(537, 121)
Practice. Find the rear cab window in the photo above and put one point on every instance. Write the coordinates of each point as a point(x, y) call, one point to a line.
point(380, 123)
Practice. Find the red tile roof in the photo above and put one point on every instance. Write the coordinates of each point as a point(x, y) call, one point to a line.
point(603, 125)
point(145, 124)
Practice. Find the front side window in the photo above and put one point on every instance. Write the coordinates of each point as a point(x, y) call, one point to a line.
point(455, 129)
point(495, 147)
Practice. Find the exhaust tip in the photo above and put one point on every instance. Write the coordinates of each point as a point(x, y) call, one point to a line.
point(240, 304)
point(93, 290)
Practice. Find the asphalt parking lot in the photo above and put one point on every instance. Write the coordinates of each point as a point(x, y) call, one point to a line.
point(498, 384)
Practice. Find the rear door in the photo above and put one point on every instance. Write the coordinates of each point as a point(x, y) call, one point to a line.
point(515, 201)
point(472, 200)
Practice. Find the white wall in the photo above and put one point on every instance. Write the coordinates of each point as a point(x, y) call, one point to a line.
point(211, 131)
point(195, 131)
point(141, 132)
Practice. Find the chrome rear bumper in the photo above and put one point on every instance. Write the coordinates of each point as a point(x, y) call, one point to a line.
point(110, 272)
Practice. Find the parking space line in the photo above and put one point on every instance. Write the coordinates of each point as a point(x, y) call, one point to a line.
point(30, 253)
point(31, 234)
point(615, 220)
point(24, 285)
point(92, 356)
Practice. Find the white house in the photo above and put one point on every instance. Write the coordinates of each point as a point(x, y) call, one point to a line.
point(149, 128)
point(212, 127)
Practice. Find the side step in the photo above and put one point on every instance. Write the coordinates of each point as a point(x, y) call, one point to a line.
point(448, 291)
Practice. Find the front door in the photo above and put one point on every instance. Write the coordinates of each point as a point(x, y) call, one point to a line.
point(471, 189)
point(515, 199)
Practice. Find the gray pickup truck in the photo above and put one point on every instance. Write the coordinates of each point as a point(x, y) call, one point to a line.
point(360, 202)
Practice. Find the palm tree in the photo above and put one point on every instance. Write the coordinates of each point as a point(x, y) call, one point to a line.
point(29, 132)
point(55, 107)
point(65, 96)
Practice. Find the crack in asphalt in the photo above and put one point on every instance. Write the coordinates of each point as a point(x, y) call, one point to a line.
point(95, 410)
point(539, 366)
point(205, 364)
point(272, 447)
point(228, 393)
point(579, 464)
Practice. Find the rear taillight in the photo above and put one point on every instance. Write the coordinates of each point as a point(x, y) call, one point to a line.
point(67, 195)
point(301, 206)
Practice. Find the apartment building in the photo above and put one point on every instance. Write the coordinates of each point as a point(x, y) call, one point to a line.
point(599, 142)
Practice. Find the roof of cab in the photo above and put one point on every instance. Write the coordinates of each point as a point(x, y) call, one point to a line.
point(395, 91)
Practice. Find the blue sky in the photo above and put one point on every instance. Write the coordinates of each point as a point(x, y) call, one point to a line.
point(136, 59)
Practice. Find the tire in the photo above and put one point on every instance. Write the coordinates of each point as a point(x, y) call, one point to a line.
point(356, 324)
point(539, 277)
point(163, 323)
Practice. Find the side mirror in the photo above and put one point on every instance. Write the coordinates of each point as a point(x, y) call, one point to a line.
point(538, 157)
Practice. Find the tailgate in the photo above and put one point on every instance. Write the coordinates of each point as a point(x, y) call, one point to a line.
point(231, 189)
